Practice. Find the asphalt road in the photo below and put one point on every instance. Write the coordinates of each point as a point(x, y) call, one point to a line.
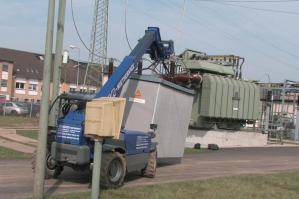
point(16, 177)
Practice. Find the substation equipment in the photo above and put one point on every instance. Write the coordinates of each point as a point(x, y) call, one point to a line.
point(222, 99)
point(157, 116)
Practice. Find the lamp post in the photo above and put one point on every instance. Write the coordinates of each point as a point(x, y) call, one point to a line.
point(78, 64)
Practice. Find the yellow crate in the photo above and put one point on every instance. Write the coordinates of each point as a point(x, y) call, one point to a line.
point(103, 117)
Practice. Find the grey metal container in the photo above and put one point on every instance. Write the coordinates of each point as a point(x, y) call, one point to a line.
point(151, 100)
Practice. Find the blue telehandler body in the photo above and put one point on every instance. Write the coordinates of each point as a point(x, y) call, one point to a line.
point(133, 151)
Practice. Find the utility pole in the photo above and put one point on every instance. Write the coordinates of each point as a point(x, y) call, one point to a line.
point(96, 171)
point(297, 125)
point(98, 41)
point(78, 64)
point(58, 61)
point(39, 175)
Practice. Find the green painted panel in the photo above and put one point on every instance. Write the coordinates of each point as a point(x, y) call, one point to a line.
point(224, 83)
point(234, 99)
point(218, 98)
point(229, 99)
point(242, 100)
point(250, 102)
point(205, 97)
point(223, 97)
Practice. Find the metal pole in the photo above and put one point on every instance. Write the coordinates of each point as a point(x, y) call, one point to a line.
point(30, 109)
point(297, 126)
point(4, 108)
point(39, 174)
point(96, 171)
point(78, 71)
point(283, 112)
point(58, 61)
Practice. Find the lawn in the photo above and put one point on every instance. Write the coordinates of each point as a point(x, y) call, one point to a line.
point(274, 186)
point(18, 121)
point(28, 133)
point(12, 154)
point(193, 151)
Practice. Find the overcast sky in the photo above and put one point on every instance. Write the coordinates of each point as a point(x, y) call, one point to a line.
point(269, 41)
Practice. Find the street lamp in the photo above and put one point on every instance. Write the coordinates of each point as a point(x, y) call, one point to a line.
point(78, 64)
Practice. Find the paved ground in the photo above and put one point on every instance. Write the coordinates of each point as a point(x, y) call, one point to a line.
point(16, 146)
point(10, 139)
point(16, 176)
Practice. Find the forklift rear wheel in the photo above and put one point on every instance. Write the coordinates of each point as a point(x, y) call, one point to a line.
point(150, 169)
point(113, 170)
point(52, 170)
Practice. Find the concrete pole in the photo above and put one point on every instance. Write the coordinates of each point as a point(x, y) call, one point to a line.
point(58, 61)
point(96, 171)
point(78, 69)
point(39, 175)
point(267, 114)
point(283, 112)
point(297, 126)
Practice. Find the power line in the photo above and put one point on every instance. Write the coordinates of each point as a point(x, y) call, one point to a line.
point(265, 9)
point(252, 34)
point(252, 1)
point(231, 37)
point(274, 45)
point(79, 36)
point(254, 8)
point(126, 8)
point(271, 44)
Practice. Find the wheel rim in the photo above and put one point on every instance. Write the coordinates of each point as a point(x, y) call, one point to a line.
point(115, 170)
point(50, 163)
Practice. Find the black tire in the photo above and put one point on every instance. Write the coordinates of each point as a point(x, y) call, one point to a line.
point(113, 170)
point(52, 170)
point(197, 146)
point(151, 166)
point(213, 147)
point(14, 113)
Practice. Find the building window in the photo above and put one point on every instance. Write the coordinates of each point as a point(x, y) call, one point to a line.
point(5, 67)
point(72, 89)
point(3, 83)
point(32, 87)
point(82, 90)
point(20, 85)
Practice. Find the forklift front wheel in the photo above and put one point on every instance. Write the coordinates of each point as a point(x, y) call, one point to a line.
point(52, 170)
point(113, 170)
point(151, 166)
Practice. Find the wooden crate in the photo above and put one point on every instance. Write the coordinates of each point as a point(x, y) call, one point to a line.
point(104, 116)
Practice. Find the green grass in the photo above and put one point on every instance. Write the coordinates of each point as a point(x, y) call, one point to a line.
point(12, 154)
point(192, 150)
point(17, 121)
point(274, 186)
point(28, 133)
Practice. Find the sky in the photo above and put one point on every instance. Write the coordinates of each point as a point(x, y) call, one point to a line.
point(269, 41)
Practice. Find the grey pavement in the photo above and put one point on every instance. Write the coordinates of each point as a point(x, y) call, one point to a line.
point(16, 177)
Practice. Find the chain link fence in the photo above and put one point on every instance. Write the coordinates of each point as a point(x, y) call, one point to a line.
point(15, 108)
point(280, 114)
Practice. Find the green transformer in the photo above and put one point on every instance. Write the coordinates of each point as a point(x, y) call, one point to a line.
point(225, 103)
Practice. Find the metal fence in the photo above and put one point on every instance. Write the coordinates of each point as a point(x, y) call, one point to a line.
point(280, 112)
point(15, 108)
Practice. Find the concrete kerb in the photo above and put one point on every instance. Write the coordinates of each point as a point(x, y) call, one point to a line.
point(10, 139)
